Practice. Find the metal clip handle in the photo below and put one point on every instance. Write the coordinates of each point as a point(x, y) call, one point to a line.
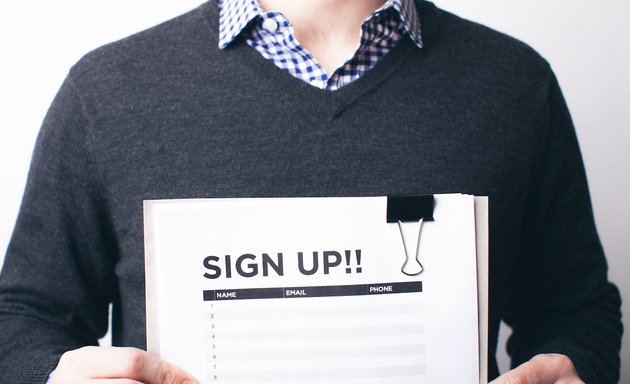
point(411, 266)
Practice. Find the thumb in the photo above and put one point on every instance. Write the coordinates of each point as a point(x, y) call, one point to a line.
point(152, 370)
point(542, 369)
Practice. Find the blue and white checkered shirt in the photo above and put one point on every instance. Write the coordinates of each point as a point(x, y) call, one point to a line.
point(271, 34)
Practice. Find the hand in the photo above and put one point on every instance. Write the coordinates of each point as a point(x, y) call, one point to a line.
point(542, 369)
point(93, 365)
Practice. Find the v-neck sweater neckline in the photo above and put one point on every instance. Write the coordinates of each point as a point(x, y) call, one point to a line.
point(337, 101)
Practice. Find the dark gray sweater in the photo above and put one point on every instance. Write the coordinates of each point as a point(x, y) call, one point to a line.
point(166, 114)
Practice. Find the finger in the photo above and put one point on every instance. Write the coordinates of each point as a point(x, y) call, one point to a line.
point(523, 374)
point(542, 369)
point(118, 363)
point(101, 381)
point(150, 369)
point(110, 381)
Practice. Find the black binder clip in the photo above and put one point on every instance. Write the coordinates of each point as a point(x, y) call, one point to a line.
point(415, 209)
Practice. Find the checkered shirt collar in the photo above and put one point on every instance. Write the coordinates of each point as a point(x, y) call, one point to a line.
point(235, 15)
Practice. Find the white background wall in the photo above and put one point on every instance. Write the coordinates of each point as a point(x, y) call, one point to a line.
point(587, 44)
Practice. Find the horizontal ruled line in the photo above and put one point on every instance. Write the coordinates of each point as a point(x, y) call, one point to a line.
point(414, 329)
point(324, 374)
point(322, 353)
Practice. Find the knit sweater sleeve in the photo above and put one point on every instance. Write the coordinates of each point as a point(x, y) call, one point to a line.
point(56, 281)
point(561, 299)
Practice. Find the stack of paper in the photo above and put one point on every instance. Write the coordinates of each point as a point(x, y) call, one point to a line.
point(310, 290)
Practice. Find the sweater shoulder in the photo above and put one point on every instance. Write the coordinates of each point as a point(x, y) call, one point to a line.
point(151, 51)
point(471, 44)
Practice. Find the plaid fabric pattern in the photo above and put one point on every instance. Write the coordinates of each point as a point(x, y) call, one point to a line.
point(271, 34)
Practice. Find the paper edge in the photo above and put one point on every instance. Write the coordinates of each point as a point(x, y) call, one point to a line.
point(150, 280)
point(481, 234)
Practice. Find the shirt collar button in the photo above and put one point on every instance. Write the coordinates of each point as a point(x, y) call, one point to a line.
point(270, 25)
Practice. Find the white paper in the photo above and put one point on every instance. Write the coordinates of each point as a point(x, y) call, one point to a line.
point(372, 337)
